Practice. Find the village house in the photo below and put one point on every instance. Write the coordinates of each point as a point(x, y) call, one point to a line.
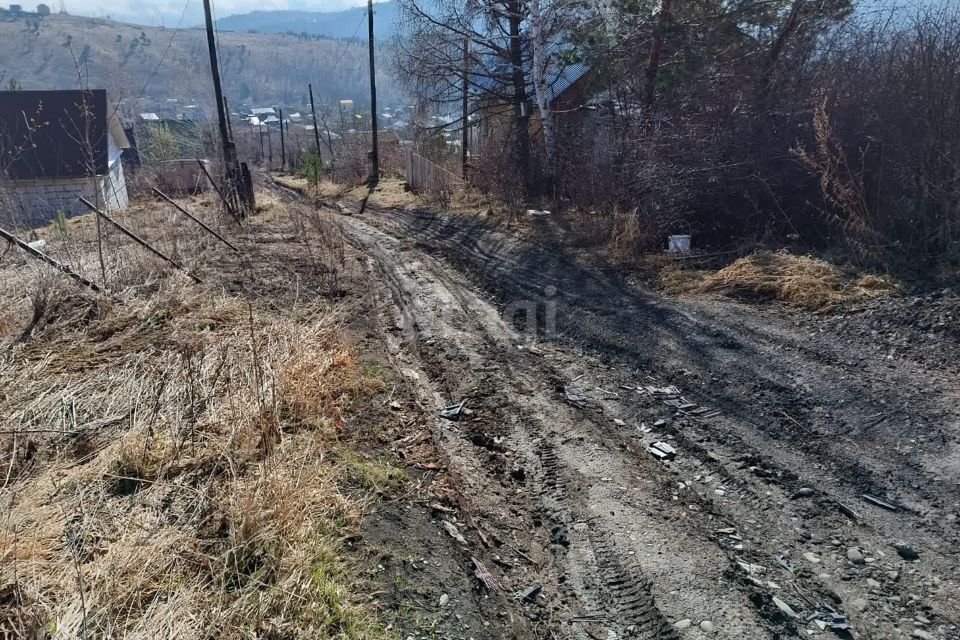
point(58, 146)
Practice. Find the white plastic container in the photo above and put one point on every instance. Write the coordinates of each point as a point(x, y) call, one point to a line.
point(679, 244)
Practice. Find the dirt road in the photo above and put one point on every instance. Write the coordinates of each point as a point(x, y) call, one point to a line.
point(757, 528)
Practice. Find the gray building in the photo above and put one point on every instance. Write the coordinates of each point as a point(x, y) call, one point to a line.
point(56, 146)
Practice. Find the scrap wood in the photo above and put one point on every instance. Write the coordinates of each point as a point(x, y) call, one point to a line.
point(453, 411)
point(195, 219)
point(39, 255)
point(143, 243)
point(847, 511)
point(436, 506)
point(889, 506)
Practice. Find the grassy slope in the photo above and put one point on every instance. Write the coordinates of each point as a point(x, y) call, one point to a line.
point(130, 60)
point(186, 460)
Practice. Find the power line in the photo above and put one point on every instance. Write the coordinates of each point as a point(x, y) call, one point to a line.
point(163, 57)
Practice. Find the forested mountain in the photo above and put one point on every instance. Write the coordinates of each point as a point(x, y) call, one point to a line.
point(349, 23)
point(150, 65)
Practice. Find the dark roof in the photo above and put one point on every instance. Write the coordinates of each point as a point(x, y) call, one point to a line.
point(44, 134)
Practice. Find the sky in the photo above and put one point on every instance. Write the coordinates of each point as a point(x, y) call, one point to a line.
point(168, 12)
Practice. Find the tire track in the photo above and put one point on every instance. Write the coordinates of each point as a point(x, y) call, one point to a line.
point(594, 573)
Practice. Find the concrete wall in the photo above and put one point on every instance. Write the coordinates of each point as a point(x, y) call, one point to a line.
point(36, 202)
point(181, 176)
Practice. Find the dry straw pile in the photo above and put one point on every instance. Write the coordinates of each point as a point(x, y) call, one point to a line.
point(801, 281)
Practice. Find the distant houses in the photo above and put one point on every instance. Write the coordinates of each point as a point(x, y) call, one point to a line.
point(17, 10)
point(58, 146)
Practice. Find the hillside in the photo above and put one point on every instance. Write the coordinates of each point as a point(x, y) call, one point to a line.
point(146, 65)
point(334, 24)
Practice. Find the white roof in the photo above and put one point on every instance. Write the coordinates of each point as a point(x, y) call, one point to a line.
point(271, 119)
point(254, 120)
point(259, 111)
point(149, 116)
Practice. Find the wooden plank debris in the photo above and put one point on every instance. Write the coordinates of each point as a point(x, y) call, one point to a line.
point(39, 255)
point(883, 504)
point(195, 219)
point(143, 243)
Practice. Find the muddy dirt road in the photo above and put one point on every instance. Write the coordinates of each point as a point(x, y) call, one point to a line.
point(757, 526)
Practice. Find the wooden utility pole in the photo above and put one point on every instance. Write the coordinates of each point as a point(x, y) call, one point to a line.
point(229, 150)
point(269, 148)
point(283, 145)
point(241, 193)
point(374, 151)
point(226, 107)
point(465, 108)
point(316, 129)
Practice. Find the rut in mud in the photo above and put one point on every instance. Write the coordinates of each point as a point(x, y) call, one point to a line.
point(757, 528)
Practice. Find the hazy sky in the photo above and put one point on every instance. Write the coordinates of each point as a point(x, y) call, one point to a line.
point(168, 12)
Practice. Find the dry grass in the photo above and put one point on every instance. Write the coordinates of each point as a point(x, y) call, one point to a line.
point(178, 462)
point(801, 281)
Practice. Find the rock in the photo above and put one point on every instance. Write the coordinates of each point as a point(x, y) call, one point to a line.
point(453, 531)
point(923, 635)
point(707, 626)
point(855, 556)
point(873, 584)
point(558, 535)
point(803, 492)
point(811, 557)
point(444, 599)
point(783, 606)
point(907, 552)
point(682, 624)
point(530, 593)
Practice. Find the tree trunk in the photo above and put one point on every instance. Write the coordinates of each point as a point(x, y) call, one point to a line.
point(767, 82)
point(521, 117)
point(539, 29)
point(653, 65)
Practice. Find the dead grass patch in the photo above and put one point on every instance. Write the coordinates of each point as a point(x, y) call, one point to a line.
point(802, 281)
point(176, 462)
